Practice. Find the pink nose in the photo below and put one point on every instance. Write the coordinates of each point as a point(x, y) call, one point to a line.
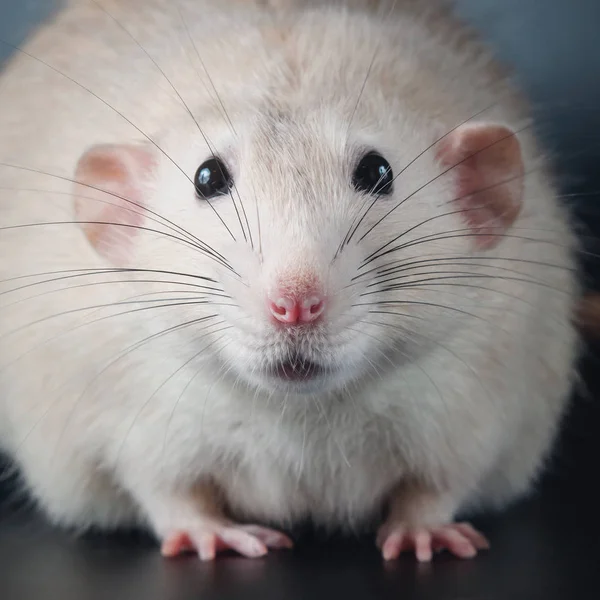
point(291, 310)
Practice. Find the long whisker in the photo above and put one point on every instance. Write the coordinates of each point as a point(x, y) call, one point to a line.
point(89, 322)
point(409, 164)
point(420, 303)
point(440, 237)
point(415, 364)
point(75, 273)
point(109, 305)
point(111, 223)
point(205, 290)
point(162, 385)
point(210, 80)
point(201, 245)
point(182, 394)
point(367, 197)
point(444, 172)
point(533, 314)
point(441, 275)
point(230, 123)
point(121, 355)
point(424, 284)
point(459, 211)
point(580, 235)
point(151, 58)
point(146, 136)
point(457, 260)
point(439, 344)
point(367, 75)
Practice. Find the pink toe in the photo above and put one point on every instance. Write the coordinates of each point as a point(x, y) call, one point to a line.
point(423, 546)
point(278, 540)
point(477, 539)
point(393, 546)
point(176, 544)
point(456, 543)
point(207, 547)
point(270, 537)
point(244, 543)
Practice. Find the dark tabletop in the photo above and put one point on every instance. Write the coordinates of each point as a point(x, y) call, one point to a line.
point(547, 548)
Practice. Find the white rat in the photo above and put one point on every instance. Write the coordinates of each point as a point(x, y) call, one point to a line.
point(314, 267)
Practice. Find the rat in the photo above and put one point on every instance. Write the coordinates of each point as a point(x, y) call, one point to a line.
point(265, 263)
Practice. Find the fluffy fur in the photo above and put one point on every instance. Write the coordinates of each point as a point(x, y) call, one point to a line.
point(461, 402)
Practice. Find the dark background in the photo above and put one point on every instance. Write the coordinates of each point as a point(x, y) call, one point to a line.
point(545, 548)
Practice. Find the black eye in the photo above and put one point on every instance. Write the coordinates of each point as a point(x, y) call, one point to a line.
point(212, 179)
point(373, 175)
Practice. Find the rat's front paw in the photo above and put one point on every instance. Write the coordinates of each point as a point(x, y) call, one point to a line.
point(461, 539)
point(212, 537)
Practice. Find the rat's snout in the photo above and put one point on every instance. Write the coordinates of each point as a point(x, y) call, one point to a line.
point(297, 299)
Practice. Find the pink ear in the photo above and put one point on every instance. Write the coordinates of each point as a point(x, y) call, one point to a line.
point(489, 178)
point(109, 220)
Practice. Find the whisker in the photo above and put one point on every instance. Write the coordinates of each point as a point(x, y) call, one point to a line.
point(146, 136)
point(230, 123)
point(440, 237)
point(444, 172)
point(75, 273)
point(109, 305)
point(367, 75)
point(150, 57)
point(131, 348)
point(184, 390)
point(206, 291)
point(113, 224)
point(408, 165)
point(87, 323)
point(431, 287)
point(444, 347)
point(162, 385)
point(396, 314)
point(493, 323)
point(217, 95)
point(201, 245)
point(367, 197)
point(420, 303)
point(454, 275)
point(456, 260)
point(108, 203)
point(415, 364)
point(556, 196)
point(427, 284)
point(376, 254)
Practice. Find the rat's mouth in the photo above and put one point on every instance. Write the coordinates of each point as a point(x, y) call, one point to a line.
point(297, 369)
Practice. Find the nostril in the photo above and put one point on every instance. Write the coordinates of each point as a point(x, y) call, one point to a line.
point(311, 309)
point(281, 306)
point(284, 310)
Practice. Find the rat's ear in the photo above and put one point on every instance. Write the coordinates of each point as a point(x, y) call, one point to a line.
point(487, 165)
point(109, 220)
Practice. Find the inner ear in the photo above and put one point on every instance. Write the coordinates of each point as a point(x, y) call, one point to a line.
point(486, 163)
point(110, 196)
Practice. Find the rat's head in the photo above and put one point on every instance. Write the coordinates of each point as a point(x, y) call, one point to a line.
point(305, 229)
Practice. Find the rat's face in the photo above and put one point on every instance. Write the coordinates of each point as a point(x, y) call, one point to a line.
point(318, 238)
point(316, 256)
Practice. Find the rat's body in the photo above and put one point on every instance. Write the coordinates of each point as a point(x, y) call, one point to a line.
point(444, 396)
